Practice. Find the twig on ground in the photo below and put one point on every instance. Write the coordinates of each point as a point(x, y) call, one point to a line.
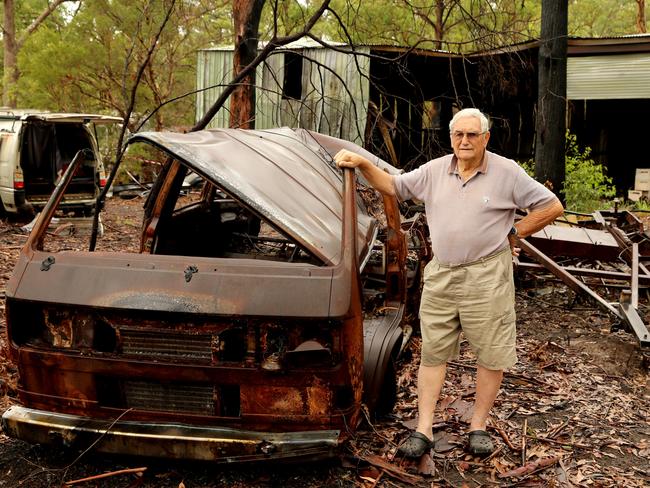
point(523, 442)
point(531, 467)
point(105, 475)
point(556, 431)
point(390, 469)
point(560, 443)
point(381, 473)
point(505, 438)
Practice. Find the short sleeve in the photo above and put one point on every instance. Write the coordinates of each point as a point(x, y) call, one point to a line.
point(414, 184)
point(530, 193)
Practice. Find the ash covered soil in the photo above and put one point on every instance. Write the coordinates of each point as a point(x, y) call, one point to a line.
point(573, 412)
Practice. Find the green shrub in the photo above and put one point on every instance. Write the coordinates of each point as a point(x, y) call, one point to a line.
point(642, 205)
point(586, 186)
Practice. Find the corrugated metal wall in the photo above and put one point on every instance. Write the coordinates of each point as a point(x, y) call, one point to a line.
point(608, 77)
point(334, 97)
point(214, 68)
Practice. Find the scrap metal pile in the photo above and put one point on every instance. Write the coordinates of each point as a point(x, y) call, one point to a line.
point(604, 256)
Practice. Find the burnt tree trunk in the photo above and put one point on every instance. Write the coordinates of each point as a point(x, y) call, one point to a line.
point(439, 32)
point(10, 73)
point(246, 18)
point(551, 96)
point(640, 17)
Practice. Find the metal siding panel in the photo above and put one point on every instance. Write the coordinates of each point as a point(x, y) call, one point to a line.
point(268, 95)
point(326, 106)
point(329, 104)
point(214, 68)
point(623, 76)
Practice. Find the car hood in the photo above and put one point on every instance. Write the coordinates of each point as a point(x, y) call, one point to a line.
point(287, 177)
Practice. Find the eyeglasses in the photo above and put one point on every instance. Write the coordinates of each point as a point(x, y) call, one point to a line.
point(471, 136)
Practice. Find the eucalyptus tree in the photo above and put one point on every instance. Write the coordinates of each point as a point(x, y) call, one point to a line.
point(31, 16)
point(602, 18)
point(90, 64)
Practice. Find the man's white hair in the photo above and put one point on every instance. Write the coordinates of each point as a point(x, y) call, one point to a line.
point(470, 112)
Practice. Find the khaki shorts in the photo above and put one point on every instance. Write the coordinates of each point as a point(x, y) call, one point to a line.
point(477, 298)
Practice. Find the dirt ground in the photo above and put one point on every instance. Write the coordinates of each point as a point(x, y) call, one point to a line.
point(573, 412)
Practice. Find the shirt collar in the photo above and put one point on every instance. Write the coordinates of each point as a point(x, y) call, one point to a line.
point(453, 165)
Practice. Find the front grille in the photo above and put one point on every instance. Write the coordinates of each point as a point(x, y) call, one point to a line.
point(173, 397)
point(166, 345)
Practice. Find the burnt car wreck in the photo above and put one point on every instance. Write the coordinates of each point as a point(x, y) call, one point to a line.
point(254, 322)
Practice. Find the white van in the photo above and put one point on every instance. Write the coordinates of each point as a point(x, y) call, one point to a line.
point(36, 148)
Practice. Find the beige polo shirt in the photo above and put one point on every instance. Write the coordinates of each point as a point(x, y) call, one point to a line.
point(469, 220)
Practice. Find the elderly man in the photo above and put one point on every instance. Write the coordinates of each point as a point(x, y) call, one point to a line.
point(470, 198)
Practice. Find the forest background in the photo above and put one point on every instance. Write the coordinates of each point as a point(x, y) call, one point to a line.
point(84, 56)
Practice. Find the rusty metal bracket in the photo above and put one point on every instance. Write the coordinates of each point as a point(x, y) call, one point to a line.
point(631, 317)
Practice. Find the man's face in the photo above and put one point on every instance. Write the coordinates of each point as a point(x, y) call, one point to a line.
point(467, 140)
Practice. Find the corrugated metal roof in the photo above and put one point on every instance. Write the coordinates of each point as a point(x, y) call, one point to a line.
point(608, 77)
point(304, 42)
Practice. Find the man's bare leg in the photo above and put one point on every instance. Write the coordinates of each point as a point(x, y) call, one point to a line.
point(488, 382)
point(430, 381)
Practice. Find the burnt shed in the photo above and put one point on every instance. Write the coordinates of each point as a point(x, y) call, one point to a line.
point(398, 101)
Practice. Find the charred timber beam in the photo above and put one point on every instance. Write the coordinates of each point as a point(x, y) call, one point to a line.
point(567, 278)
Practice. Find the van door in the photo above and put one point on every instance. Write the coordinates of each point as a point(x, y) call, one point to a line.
point(46, 151)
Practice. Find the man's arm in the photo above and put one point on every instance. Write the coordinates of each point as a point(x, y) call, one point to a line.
point(538, 219)
point(378, 179)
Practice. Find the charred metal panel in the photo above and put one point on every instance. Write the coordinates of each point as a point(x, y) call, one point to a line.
point(556, 240)
point(287, 401)
point(152, 282)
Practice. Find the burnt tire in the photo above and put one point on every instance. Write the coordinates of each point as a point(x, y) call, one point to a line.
point(388, 395)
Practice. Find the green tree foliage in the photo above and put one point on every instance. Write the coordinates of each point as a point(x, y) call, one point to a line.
point(89, 61)
point(84, 56)
point(601, 18)
point(454, 25)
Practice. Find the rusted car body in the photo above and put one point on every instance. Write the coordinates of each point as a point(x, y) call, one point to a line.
point(253, 324)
